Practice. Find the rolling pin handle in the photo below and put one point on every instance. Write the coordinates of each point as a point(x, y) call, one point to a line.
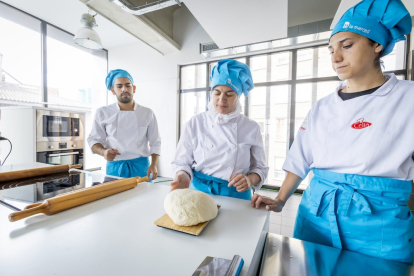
point(32, 205)
point(142, 179)
point(77, 166)
point(27, 213)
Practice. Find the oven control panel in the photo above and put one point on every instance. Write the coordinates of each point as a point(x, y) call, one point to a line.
point(51, 146)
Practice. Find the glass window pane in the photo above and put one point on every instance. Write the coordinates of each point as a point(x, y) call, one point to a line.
point(324, 35)
point(278, 133)
point(282, 42)
point(305, 64)
point(281, 66)
point(242, 60)
point(260, 46)
point(193, 76)
point(258, 67)
point(257, 104)
point(303, 104)
point(325, 88)
point(75, 76)
point(396, 59)
point(324, 63)
point(191, 103)
point(20, 57)
point(306, 38)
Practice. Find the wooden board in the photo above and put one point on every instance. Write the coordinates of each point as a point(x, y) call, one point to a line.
point(166, 222)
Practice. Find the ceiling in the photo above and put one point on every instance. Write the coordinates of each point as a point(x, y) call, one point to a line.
point(157, 26)
point(155, 32)
point(66, 15)
point(307, 11)
point(238, 22)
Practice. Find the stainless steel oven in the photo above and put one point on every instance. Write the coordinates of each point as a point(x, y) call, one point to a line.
point(56, 130)
point(61, 157)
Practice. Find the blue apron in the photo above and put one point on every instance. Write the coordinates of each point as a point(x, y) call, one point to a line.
point(128, 168)
point(216, 186)
point(364, 214)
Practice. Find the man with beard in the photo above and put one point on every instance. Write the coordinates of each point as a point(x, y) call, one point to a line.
point(126, 133)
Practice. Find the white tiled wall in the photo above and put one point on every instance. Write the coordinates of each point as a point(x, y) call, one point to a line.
point(282, 223)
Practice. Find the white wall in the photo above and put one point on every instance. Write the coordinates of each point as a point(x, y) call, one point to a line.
point(156, 77)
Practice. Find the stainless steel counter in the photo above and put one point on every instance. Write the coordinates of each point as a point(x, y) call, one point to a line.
point(287, 256)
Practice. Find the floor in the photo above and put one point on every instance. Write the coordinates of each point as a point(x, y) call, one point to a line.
point(282, 223)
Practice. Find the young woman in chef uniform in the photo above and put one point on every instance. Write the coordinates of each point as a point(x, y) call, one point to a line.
point(220, 151)
point(359, 142)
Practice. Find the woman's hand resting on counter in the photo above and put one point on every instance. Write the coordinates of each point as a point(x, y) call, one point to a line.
point(181, 181)
point(275, 205)
point(241, 182)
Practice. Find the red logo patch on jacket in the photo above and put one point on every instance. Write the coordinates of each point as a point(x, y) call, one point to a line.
point(360, 124)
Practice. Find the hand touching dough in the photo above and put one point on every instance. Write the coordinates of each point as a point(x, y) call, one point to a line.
point(187, 207)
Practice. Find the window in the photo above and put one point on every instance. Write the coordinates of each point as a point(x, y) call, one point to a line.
point(21, 41)
point(193, 76)
point(191, 103)
point(283, 95)
point(75, 75)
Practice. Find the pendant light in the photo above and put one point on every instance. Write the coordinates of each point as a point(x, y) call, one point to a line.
point(86, 36)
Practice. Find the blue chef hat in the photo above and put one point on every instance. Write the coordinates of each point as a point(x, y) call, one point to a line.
point(383, 21)
point(114, 74)
point(235, 74)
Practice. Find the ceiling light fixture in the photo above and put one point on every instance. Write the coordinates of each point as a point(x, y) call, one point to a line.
point(86, 36)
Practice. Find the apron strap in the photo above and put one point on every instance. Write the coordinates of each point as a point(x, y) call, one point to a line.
point(323, 198)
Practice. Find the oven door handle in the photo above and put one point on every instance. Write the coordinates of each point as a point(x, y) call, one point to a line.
point(65, 153)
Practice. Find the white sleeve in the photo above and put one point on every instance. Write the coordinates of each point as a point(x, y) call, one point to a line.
point(154, 138)
point(299, 157)
point(258, 159)
point(98, 132)
point(184, 157)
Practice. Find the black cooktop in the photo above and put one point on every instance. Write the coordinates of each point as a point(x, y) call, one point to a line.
point(17, 194)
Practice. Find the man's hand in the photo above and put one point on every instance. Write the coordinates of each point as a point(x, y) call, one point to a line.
point(152, 170)
point(109, 154)
point(181, 181)
point(275, 205)
point(241, 182)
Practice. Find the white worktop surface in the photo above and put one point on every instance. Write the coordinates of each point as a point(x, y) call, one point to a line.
point(23, 166)
point(117, 236)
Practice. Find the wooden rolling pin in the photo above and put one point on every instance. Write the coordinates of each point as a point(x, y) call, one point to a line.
point(72, 199)
point(8, 176)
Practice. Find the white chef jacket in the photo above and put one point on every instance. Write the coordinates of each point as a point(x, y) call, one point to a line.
point(370, 135)
point(133, 133)
point(221, 150)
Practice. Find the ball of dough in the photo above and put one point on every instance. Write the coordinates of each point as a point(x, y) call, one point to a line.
point(187, 207)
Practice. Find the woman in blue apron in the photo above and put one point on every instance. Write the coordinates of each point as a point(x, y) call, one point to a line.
point(220, 151)
point(359, 143)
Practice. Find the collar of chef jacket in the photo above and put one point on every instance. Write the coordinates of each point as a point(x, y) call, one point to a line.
point(135, 106)
point(382, 91)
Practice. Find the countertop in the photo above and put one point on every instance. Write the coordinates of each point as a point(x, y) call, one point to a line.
point(117, 236)
point(24, 166)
